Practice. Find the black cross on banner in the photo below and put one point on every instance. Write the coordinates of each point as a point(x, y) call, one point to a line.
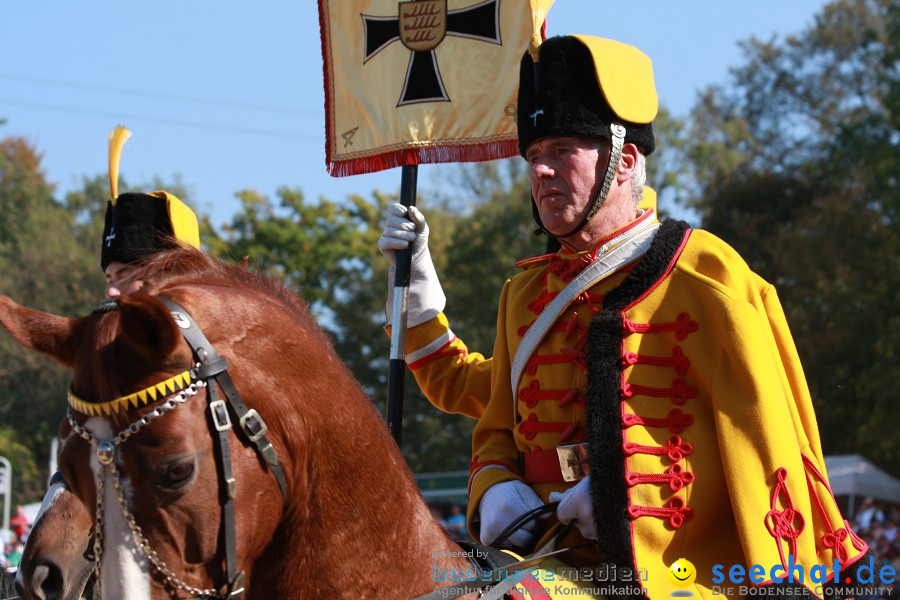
point(421, 26)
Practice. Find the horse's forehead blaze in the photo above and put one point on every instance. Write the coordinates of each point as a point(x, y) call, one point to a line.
point(50, 499)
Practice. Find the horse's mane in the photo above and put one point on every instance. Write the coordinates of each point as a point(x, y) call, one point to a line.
point(7, 589)
point(186, 265)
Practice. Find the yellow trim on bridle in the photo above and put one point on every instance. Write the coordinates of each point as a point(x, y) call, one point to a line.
point(125, 403)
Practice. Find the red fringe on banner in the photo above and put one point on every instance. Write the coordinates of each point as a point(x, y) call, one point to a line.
point(418, 156)
point(473, 150)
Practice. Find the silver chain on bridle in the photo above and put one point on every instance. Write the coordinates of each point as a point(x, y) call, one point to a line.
point(106, 456)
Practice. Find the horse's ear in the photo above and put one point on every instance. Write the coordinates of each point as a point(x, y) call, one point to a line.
point(146, 324)
point(39, 331)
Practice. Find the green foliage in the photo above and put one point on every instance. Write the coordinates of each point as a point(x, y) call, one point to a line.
point(42, 265)
point(48, 261)
point(27, 483)
point(795, 164)
point(317, 247)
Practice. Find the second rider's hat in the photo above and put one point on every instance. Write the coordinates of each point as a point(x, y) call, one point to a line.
point(138, 225)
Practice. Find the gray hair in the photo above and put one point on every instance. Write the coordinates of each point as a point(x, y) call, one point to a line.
point(640, 171)
point(639, 179)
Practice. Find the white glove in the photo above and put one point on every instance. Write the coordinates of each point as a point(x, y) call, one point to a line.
point(575, 504)
point(426, 298)
point(502, 504)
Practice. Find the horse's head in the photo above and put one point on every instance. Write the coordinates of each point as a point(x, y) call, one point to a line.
point(323, 504)
point(136, 383)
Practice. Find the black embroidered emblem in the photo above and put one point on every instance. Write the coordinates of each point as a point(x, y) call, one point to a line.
point(421, 26)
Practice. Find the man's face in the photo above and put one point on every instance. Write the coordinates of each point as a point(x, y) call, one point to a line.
point(565, 179)
point(121, 279)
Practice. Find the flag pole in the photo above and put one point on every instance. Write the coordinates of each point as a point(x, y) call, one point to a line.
point(394, 411)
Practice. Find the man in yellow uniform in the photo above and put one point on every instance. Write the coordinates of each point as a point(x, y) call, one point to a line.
point(643, 376)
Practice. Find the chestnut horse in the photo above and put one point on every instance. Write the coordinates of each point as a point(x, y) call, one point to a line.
point(56, 563)
point(351, 521)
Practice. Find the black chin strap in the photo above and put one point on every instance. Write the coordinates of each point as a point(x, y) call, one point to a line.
point(214, 367)
point(617, 140)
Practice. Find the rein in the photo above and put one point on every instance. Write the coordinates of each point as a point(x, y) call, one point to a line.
point(209, 366)
point(494, 583)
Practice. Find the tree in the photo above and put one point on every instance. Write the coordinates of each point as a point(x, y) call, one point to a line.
point(327, 252)
point(794, 164)
point(42, 265)
point(27, 482)
point(49, 260)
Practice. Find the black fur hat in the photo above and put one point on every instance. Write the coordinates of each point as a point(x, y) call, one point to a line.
point(139, 225)
point(584, 84)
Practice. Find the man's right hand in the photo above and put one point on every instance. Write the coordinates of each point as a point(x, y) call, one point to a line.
point(404, 227)
point(502, 504)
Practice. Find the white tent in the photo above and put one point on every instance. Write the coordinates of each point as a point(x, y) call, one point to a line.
point(852, 475)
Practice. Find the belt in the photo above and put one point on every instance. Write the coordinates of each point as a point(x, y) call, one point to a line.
point(556, 465)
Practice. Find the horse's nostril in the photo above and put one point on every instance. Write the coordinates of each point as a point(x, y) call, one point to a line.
point(46, 582)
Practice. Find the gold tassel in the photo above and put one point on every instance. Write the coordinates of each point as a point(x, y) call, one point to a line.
point(117, 139)
point(539, 10)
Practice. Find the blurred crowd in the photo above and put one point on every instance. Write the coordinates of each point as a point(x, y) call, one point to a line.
point(12, 540)
point(453, 519)
point(877, 524)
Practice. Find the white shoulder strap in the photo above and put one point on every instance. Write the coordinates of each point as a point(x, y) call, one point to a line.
point(626, 248)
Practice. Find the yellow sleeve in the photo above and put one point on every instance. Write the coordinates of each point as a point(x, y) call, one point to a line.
point(773, 465)
point(831, 529)
point(453, 379)
point(794, 380)
point(495, 457)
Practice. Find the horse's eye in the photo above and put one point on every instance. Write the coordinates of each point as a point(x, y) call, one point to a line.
point(179, 474)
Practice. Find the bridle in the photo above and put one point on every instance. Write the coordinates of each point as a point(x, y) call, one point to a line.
point(209, 369)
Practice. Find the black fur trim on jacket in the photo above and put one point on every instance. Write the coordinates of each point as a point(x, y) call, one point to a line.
point(7, 584)
point(609, 492)
point(652, 266)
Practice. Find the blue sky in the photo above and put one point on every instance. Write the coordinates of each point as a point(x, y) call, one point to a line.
point(229, 95)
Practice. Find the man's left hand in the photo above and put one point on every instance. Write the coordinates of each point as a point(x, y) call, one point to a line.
point(575, 505)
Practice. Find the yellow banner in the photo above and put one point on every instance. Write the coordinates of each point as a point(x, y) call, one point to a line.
point(421, 82)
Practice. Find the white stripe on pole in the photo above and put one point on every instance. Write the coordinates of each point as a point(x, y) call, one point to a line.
point(6, 489)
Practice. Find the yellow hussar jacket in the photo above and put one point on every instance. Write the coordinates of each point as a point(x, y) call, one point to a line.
point(453, 379)
point(680, 372)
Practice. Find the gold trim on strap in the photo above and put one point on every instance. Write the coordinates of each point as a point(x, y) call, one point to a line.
point(125, 403)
